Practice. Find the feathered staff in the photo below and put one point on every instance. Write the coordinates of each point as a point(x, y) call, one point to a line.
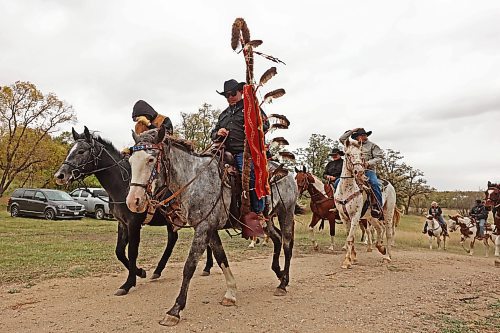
point(255, 148)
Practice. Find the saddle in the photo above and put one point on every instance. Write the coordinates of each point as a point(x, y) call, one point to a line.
point(250, 223)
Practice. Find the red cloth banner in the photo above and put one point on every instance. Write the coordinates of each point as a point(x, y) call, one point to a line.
point(255, 136)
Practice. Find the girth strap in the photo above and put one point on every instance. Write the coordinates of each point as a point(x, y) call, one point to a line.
point(346, 201)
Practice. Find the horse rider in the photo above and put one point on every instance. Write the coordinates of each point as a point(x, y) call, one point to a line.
point(146, 118)
point(333, 169)
point(231, 125)
point(373, 156)
point(436, 212)
point(480, 215)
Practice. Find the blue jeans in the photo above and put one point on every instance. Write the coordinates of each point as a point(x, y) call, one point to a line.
point(336, 183)
point(481, 223)
point(373, 180)
point(257, 204)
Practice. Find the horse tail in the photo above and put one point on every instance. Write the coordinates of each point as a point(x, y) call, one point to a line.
point(322, 224)
point(396, 217)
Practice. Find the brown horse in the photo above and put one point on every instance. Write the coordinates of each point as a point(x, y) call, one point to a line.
point(322, 202)
point(492, 202)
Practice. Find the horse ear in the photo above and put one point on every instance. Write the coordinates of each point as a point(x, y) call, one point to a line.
point(75, 135)
point(347, 142)
point(88, 136)
point(296, 170)
point(304, 169)
point(489, 184)
point(160, 136)
point(135, 136)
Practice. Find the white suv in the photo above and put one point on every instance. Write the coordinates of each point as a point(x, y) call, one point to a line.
point(95, 202)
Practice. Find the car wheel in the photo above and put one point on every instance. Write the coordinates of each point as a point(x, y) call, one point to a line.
point(14, 211)
point(99, 213)
point(50, 214)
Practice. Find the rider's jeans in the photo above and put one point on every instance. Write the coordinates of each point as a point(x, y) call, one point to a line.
point(481, 223)
point(373, 180)
point(257, 204)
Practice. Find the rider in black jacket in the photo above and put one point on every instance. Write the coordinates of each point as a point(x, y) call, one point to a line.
point(480, 215)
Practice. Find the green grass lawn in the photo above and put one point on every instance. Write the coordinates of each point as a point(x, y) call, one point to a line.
point(32, 250)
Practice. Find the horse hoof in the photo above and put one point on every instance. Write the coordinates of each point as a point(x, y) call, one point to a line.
point(121, 292)
point(344, 248)
point(330, 248)
point(155, 276)
point(346, 266)
point(228, 302)
point(369, 249)
point(169, 320)
point(143, 274)
point(205, 273)
point(386, 261)
point(279, 292)
point(382, 250)
point(251, 246)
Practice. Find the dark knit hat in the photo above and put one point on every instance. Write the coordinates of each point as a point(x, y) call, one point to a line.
point(142, 108)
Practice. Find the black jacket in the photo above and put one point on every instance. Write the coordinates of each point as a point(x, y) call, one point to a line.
point(479, 212)
point(435, 211)
point(334, 168)
point(232, 119)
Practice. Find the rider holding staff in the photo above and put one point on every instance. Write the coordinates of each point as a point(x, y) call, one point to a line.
point(373, 156)
point(231, 124)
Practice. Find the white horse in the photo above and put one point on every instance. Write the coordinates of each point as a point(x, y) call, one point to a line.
point(349, 199)
point(468, 230)
point(434, 230)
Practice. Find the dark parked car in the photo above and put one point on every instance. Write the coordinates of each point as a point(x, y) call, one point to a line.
point(50, 204)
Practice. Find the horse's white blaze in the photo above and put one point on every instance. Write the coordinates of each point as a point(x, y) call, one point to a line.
point(141, 171)
point(230, 283)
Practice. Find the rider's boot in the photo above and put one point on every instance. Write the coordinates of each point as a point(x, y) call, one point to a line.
point(425, 228)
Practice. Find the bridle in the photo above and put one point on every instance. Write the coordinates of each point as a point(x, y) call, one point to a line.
point(350, 163)
point(78, 171)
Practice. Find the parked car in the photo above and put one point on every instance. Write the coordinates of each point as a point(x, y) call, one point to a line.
point(50, 204)
point(95, 202)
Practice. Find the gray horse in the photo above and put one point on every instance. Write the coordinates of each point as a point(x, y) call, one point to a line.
point(205, 201)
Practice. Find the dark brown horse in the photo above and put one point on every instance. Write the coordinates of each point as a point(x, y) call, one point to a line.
point(492, 202)
point(322, 202)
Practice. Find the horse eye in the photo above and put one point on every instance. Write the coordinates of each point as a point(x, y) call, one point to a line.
point(80, 152)
point(151, 160)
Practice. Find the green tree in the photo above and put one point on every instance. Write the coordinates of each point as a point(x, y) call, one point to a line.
point(197, 126)
point(315, 156)
point(28, 117)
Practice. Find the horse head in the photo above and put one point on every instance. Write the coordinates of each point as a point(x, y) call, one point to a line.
point(146, 164)
point(354, 162)
point(303, 179)
point(82, 158)
point(492, 196)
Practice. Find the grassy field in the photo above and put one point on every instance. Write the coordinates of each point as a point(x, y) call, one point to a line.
point(32, 250)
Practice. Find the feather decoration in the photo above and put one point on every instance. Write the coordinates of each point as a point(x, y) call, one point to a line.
point(267, 75)
point(287, 155)
point(279, 126)
point(235, 33)
point(281, 118)
point(253, 43)
point(281, 141)
point(245, 32)
point(270, 57)
point(268, 98)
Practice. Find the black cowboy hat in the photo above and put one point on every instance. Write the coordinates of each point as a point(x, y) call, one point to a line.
point(336, 151)
point(231, 85)
point(359, 132)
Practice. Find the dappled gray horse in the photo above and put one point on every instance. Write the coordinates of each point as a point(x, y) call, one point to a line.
point(205, 198)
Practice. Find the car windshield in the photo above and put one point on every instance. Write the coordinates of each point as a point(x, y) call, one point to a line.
point(100, 193)
point(58, 196)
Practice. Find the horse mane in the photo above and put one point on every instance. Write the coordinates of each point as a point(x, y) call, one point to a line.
point(183, 144)
point(109, 146)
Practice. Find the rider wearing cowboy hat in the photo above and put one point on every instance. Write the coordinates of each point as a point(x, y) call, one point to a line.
point(480, 215)
point(334, 168)
point(231, 124)
point(373, 156)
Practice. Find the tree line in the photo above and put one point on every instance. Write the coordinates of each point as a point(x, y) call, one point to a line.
point(32, 147)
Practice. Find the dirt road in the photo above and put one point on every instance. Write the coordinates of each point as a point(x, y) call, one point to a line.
point(421, 291)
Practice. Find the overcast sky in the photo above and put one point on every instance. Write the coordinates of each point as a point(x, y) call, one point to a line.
point(424, 76)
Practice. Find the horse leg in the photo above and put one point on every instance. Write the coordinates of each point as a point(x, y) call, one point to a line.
point(332, 233)
point(210, 262)
point(388, 236)
point(275, 236)
point(198, 246)
point(287, 226)
point(350, 255)
point(121, 244)
point(471, 251)
point(221, 258)
point(487, 246)
point(171, 240)
point(378, 229)
point(252, 242)
point(314, 221)
point(497, 246)
point(347, 224)
point(134, 235)
point(430, 242)
point(444, 242)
